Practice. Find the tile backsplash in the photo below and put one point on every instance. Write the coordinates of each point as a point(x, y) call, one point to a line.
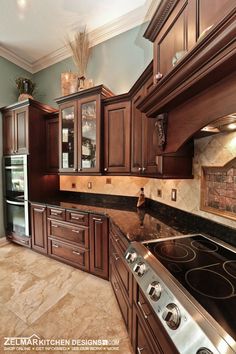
point(210, 151)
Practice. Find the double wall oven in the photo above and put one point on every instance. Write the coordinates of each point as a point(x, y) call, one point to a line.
point(16, 195)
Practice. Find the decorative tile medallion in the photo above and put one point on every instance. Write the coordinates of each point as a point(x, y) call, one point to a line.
point(218, 189)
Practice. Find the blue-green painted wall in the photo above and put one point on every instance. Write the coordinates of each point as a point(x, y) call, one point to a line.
point(116, 63)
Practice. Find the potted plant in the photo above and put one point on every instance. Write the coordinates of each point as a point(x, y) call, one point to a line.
point(25, 88)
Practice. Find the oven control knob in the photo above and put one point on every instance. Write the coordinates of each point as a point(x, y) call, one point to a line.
point(140, 269)
point(204, 351)
point(154, 290)
point(172, 316)
point(131, 256)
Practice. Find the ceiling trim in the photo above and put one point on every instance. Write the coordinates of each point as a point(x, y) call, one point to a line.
point(15, 59)
point(99, 35)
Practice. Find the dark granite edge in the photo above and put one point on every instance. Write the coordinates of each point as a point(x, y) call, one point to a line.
point(177, 218)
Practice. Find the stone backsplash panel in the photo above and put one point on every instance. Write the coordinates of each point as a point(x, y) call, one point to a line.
point(211, 151)
point(218, 189)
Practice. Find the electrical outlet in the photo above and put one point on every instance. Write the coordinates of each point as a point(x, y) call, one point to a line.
point(159, 193)
point(174, 195)
point(108, 180)
point(90, 185)
point(73, 185)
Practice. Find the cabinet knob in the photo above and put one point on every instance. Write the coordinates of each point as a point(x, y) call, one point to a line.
point(79, 169)
point(105, 169)
point(158, 77)
point(140, 168)
point(144, 169)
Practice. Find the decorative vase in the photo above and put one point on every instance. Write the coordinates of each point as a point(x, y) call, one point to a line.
point(69, 83)
point(24, 96)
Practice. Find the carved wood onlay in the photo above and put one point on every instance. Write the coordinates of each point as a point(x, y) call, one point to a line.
point(161, 128)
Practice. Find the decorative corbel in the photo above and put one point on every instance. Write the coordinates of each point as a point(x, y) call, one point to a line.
point(161, 128)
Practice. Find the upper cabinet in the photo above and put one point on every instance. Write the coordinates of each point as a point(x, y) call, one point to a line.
point(21, 122)
point(194, 46)
point(15, 131)
point(52, 143)
point(80, 122)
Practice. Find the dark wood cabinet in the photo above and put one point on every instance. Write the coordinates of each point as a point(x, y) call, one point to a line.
point(52, 143)
point(99, 263)
point(15, 129)
point(120, 276)
point(117, 139)
point(39, 228)
point(80, 129)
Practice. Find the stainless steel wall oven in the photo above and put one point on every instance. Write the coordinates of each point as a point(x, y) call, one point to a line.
point(16, 195)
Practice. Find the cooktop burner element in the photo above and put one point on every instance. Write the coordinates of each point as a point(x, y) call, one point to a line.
point(207, 270)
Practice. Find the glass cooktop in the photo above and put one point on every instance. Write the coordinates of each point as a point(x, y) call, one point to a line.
point(207, 270)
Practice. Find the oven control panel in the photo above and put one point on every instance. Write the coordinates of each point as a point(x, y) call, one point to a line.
point(178, 323)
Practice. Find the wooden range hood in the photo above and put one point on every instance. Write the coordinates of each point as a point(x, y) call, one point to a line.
point(201, 88)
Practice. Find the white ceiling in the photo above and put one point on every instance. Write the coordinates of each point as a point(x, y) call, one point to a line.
point(34, 36)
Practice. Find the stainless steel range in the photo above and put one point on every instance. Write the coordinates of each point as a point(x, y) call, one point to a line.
point(190, 282)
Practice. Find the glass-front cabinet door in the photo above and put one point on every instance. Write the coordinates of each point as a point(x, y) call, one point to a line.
point(89, 134)
point(68, 127)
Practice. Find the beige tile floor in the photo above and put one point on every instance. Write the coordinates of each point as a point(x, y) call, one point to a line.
point(41, 296)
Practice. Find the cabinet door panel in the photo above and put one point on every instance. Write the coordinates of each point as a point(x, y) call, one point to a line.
point(21, 131)
point(67, 138)
point(8, 133)
point(38, 228)
point(211, 12)
point(99, 245)
point(174, 41)
point(52, 142)
point(150, 145)
point(117, 138)
point(125, 308)
point(89, 131)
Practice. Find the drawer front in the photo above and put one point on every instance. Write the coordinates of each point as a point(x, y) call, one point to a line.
point(126, 309)
point(123, 271)
point(67, 253)
point(77, 217)
point(56, 213)
point(69, 232)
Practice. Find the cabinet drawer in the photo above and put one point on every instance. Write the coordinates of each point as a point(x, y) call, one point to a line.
point(70, 254)
point(116, 258)
point(125, 308)
point(56, 213)
point(69, 232)
point(77, 218)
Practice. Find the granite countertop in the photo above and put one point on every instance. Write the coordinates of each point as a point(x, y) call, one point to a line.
point(136, 224)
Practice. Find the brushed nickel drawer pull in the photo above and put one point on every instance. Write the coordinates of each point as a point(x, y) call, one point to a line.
point(142, 310)
point(97, 219)
point(116, 287)
point(53, 225)
point(116, 258)
point(39, 210)
point(54, 245)
point(140, 350)
point(56, 213)
point(76, 217)
point(77, 253)
point(76, 231)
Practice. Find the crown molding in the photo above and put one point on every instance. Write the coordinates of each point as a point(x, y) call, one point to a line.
point(97, 36)
point(15, 59)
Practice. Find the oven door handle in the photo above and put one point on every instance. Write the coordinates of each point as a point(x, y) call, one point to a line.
point(14, 203)
point(19, 167)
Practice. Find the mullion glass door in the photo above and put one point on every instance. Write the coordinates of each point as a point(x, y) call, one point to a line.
point(68, 122)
